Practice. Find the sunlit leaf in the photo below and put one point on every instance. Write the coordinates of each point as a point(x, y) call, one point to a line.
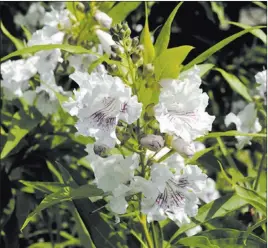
point(205, 55)
point(162, 40)
point(148, 52)
point(169, 63)
point(121, 10)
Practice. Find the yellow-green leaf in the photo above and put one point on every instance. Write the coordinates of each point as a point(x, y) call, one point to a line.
point(162, 40)
point(148, 53)
point(235, 84)
point(169, 63)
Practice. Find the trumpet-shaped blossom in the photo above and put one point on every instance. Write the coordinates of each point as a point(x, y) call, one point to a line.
point(102, 101)
point(172, 195)
point(246, 121)
point(114, 175)
point(181, 108)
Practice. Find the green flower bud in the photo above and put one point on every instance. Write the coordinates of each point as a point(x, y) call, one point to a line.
point(115, 57)
point(101, 150)
point(135, 41)
point(135, 57)
point(148, 70)
point(112, 69)
point(116, 49)
point(152, 142)
point(80, 7)
point(125, 26)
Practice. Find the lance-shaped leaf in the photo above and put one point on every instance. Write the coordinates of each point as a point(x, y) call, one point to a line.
point(148, 52)
point(162, 40)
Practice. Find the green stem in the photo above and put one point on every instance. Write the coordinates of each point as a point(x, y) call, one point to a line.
point(143, 222)
point(262, 163)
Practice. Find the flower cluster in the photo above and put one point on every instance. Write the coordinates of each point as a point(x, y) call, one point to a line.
point(108, 100)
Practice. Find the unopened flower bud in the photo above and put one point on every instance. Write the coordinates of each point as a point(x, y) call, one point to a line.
point(80, 7)
point(148, 70)
point(101, 150)
point(116, 49)
point(115, 57)
point(135, 41)
point(112, 69)
point(182, 147)
point(106, 40)
point(127, 32)
point(118, 26)
point(152, 142)
point(125, 26)
point(103, 19)
point(135, 57)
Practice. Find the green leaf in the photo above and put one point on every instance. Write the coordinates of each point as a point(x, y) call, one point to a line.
point(18, 43)
point(199, 154)
point(83, 233)
point(252, 228)
point(225, 237)
point(156, 234)
point(231, 133)
point(169, 63)
point(258, 32)
point(27, 33)
point(253, 198)
point(260, 4)
point(46, 187)
point(145, 39)
point(102, 234)
point(64, 194)
point(205, 55)
point(197, 242)
point(212, 210)
point(34, 49)
point(121, 10)
point(22, 124)
point(162, 40)
point(235, 84)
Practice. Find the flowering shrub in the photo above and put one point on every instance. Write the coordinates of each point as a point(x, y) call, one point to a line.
point(122, 142)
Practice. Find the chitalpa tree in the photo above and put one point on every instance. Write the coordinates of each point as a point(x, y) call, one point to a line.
point(139, 115)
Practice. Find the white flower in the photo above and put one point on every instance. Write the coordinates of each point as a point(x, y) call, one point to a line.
point(56, 18)
point(172, 195)
point(16, 75)
point(181, 108)
point(261, 79)
point(246, 122)
point(103, 19)
point(81, 62)
point(33, 18)
point(103, 100)
point(105, 40)
point(114, 175)
point(48, 59)
point(209, 193)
